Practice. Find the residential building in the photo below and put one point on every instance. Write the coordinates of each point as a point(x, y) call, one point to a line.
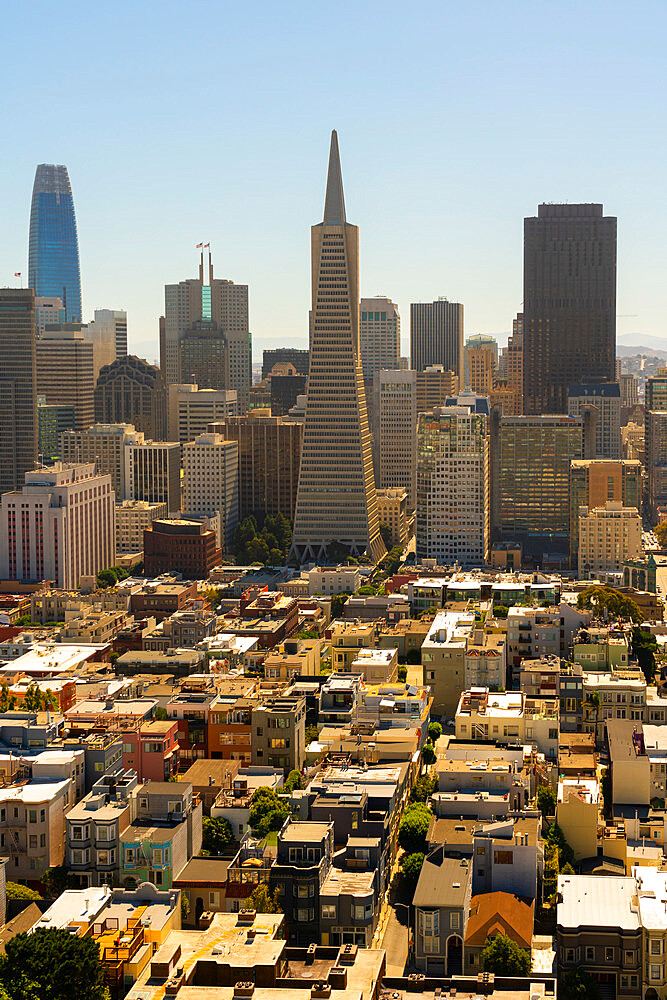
point(60, 527)
point(191, 409)
point(132, 391)
point(436, 335)
point(379, 335)
point(233, 802)
point(269, 450)
point(569, 303)
point(347, 638)
point(223, 306)
point(606, 398)
point(493, 913)
point(598, 929)
point(151, 750)
point(166, 831)
point(132, 519)
point(508, 857)
point(211, 482)
point(65, 372)
point(293, 658)
point(336, 499)
point(153, 472)
point(621, 694)
point(105, 445)
point(609, 536)
point(595, 481)
point(334, 580)
point(93, 829)
point(18, 387)
point(279, 733)
point(441, 905)
point(53, 254)
point(452, 520)
point(32, 827)
point(577, 813)
point(302, 865)
point(484, 715)
point(393, 512)
point(443, 656)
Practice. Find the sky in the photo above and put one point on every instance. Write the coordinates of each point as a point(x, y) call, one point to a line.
point(207, 121)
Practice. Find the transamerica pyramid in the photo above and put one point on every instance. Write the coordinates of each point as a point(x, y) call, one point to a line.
point(336, 500)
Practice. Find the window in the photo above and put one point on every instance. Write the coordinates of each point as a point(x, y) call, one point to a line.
point(609, 954)
point(454, 921)
point(656, 972)
point(569, 954)
point(32, 815)
point(361, 911)
point(32, 840)
point(481, 850)
point(305, 915)
point(629, 957)
point(328, 911)
point(214, 898)
point(295, 854)
point(503, 857)
point(176, 806)
point(656, 946)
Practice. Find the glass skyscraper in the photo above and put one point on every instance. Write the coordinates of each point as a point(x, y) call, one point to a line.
point(53, 261)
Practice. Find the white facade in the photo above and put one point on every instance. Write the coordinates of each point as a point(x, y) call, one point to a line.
point(395, 398)
point(379, 335)
point(61, 527)
point(192, 409)
point(211, 482)
point(608, 537)
point(452, 523)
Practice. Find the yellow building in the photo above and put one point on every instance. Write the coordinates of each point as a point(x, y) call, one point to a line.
point(294, 658)
point(347, 638)
point(577, 815)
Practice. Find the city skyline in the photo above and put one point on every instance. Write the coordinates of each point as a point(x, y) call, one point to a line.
point(435, 224)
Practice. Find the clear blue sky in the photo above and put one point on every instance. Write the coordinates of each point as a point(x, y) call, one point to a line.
point(183, 122)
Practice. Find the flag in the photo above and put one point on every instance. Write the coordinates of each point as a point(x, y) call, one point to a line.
point(17, 274)
point(199, 246)
point(206, 245)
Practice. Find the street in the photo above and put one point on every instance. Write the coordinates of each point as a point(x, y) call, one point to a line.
point(396, 930)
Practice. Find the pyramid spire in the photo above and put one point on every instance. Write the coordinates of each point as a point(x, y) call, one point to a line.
point(334, 204)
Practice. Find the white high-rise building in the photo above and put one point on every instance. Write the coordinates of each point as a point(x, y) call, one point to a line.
point(211, 482)
point(60, 527)
point(608, 537)
point(108, 335)
point(395, 398)
point(191, 409)
point(132, 518)
point(452, 521)
point(105, 445)
point(606, 398)
point(379, 335)
point(48, 310)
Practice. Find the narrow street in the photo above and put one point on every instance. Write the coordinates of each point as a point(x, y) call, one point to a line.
point(395, 932)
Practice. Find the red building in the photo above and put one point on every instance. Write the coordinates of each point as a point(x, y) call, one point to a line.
point(179, 546)
point(152, 750)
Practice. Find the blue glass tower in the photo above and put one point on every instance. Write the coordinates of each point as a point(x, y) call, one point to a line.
point(53, 258)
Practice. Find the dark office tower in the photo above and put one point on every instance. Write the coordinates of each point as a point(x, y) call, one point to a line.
point(18, 387)
point(436, 336)
point(336, 500)
point(569, 303)
point(285, 355)
point(53, 258)
point(204, 355)
point(130, 391)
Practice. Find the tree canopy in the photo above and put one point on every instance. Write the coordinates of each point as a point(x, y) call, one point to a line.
point(268, 811)
point(60, 964)
point(601, 599)
point(262, 901)
point(411, 866)
point(413, 828)
point(505, 957)
point(217, 834)
point(268, 544)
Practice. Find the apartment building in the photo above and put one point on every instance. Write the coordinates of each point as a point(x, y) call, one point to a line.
point(94, 826)
point(302, 865)
point(153, 472)
point(609, 537)
point(279, 733)
point(443, 656)
point(210, 482)
point(32, 827)
point(165, 833)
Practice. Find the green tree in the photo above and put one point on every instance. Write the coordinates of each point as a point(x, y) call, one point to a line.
point(17, 891)
point(312, 732)
point(423, 788)
point(262, 901)
point(385, 532)
point(293, 781)
point(546, 800)
point(217, 834)
point(434, 731)
point(500, 611)
point(505, 957)
point(413, 828)
point(7, 700)
point(428, 754)
point(643, 649)
point(576, 984)
point(411, 866)
point(185, 905)
point(106, 578)
point(601, 599)
point(338, 602)
point(160, 713)
point(257, 551)
point(268, 811)
point(556, 837)
point(61, 964)
point(402, 673)
point(55, 880)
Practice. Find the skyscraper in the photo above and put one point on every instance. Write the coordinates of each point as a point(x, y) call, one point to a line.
point(53, 256)
point(18, 387)
point(108, 334)
point(130, 391)
point(380, 335)
point(336, 501)
point(606, 398)
point(569, 307)
point(223, 307)
point(436, 335)
point(66, 373)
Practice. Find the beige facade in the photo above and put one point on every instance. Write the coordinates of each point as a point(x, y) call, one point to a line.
point(443, 655)
point(32, 827)
point(105, 445)
point(347, 638)
point(395, 405)
point(609, 536)
point(190, 410)
point(393, 511)
point(379, 335)
point(132, 517)
point(480, 366)
point(211, 482)
point(336, 500)
point(60, 527)
point(577, 815)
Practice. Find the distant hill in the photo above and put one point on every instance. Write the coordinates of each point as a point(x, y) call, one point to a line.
point(641, 343)
point(628, 350)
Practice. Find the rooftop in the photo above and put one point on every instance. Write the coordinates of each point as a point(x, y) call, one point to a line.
point(597, 901)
